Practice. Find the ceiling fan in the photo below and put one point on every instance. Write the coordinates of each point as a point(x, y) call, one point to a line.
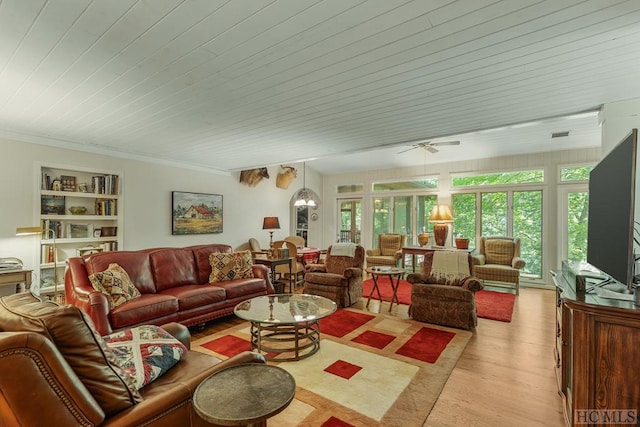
point(430, 146)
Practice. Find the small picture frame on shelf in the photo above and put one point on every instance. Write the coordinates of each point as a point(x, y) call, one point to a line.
point(56, 185)
point(79, 231)
point(68, 182)
point(97, 232)
point(108, 231)
point(83, 187)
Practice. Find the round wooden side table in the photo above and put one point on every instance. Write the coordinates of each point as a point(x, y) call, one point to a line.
point(244, 395)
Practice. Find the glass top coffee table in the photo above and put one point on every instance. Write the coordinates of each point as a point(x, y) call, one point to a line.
point(285, 327)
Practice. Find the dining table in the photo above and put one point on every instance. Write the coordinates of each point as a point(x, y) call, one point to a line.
point(308, 255)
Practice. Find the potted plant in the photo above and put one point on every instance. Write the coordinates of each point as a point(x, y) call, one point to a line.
point(462, 242)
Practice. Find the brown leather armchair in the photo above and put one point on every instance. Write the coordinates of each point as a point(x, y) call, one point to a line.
point(54, 370)
point(339, 278)
point(444, 301)
point(388, 252)
point(499, 260)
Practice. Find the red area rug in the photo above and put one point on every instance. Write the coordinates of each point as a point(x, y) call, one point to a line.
point(490, 304)
point(342, 322)
point(404, 290)
point(406, 362)
point(495, 305)
point(427, 344)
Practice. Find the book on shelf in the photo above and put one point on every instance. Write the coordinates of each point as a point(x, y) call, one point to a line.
point(52, 227)
point(105, 184)
point(109, 246)
point(106, 207)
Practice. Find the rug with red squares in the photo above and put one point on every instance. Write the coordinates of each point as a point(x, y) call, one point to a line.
point(371, 370)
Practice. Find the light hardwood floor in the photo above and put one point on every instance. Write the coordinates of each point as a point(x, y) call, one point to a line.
point(505, 375)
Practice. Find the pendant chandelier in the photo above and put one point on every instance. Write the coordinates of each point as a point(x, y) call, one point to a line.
point(303, 196)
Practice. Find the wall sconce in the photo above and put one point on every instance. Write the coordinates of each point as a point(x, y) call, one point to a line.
point(270, 223)
point(441, 216)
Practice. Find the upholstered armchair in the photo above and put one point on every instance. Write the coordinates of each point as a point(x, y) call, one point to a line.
point(388, 252)
point(498, 259)
point(445, 294)
point(297, 268)
point(340, 277)
point(296, 240)
point(256, 250)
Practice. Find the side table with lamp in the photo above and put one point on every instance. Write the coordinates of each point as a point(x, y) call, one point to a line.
point(270, 223)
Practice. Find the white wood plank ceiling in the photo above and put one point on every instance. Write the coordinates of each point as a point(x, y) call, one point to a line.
point(230, 85)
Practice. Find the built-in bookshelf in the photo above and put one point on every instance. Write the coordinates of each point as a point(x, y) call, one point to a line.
point(80, 212)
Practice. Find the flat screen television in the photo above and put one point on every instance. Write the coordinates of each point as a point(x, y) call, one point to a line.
point(613, 212)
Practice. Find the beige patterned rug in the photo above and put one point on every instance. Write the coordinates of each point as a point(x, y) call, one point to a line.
point(371, 370)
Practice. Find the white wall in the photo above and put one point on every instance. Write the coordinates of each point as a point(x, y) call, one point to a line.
point(146, 200)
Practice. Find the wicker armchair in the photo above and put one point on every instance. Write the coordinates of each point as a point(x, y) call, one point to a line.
point(339, 278)
point(388, 252)
point(441, 300)
point(498, 260)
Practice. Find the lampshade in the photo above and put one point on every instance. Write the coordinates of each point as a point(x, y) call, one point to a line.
point(25, 231)
point(270, 223)
point(441, 213)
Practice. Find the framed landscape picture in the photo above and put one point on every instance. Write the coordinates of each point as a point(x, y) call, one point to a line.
point(52, 205)
point(195, 213)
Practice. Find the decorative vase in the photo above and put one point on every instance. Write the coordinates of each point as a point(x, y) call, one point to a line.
point(440, 232)
point(462, 243)
point(423, 239)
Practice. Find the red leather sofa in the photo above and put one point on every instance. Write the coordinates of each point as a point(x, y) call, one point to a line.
point(174, 283)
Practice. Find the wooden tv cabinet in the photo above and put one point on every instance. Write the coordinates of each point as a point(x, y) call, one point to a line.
point(597, 356)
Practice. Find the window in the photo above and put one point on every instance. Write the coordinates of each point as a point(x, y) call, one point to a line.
point(418, 184)
point(425, 205)
point(508, 211)
point(577, 216)
point(527, 224)
point(498, 178)
point(302, 222)
point(354, 188)
point(381, 217)
point(402, 216)
point(573, 212)
point(464, 216)
point(571, 174)
point(350, 214)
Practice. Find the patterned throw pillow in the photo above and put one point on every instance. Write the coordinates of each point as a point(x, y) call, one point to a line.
point(116, 284)
point(145, 352)
point(230, 266)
